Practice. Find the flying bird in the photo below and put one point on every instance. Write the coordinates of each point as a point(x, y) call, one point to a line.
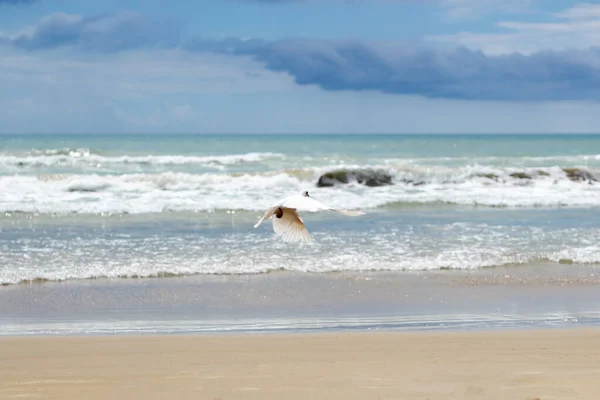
point(288, 225)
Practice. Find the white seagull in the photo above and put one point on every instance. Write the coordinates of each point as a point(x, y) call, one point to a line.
point(288, 225)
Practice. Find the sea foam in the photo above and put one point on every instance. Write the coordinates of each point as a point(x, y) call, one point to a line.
point(159, 253)
point(181, 191)
point(85, 159)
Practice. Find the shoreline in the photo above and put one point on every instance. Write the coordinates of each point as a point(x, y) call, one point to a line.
point(296, 302)
point(309, 326)
point(523, 364)
point(544, 272)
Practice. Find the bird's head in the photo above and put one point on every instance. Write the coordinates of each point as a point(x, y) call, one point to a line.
point(305, 193)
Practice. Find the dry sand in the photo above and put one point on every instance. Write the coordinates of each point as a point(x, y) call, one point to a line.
point(537, 364)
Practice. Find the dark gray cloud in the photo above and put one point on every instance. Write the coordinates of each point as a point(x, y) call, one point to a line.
point(16, 1)
point(456, 73)
point(332, 1)
point(273, 1)
point(408, 69)
point(107, 33)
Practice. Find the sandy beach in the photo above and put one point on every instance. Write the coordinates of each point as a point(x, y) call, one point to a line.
point(519, 364)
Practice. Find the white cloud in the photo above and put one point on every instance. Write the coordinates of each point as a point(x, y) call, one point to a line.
point(181, 112)
point(577, 27)
point(141, 120)
point(139, 74)
point(124, 91)
point(470, 9)
point(175, 90)
point(581, 11)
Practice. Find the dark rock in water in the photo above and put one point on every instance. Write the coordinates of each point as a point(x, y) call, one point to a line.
point(576, 174)
point(368, 177)
point(411, 182)
point(331, 178)
point(87, 189)
point(488, 176)
point(542, 173)
point(520, 175)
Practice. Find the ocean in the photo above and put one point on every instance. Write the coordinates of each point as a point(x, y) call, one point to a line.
point(83, 208)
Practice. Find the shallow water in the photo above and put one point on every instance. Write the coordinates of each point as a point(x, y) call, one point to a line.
point(475, 232)
point(76, 207)
point(541, 296)
point(42, 248)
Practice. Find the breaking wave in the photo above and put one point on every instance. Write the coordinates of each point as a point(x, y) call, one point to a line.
point(86, 159)
point(182, 191)
point(170, 250)
point(148, 264)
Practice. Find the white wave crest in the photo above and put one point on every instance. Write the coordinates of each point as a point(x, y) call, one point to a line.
point(66, 151)
point(159, 256)
point(83, 158)
point(588, 160)
point(178, 191)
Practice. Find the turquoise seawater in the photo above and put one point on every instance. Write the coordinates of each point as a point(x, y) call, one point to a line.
point(79, 207)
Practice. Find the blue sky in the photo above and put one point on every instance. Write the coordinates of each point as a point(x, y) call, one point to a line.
point(313, 66)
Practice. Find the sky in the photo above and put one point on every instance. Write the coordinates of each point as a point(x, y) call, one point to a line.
point(299, 66)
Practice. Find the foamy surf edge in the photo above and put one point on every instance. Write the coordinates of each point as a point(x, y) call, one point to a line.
point(558, 258)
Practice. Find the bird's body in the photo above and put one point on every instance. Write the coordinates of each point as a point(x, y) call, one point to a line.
point(287, 224)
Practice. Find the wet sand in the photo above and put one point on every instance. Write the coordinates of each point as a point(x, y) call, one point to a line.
point(517, 297)
point(518, 364)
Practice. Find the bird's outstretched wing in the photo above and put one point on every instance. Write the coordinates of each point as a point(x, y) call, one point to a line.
point(290, 227)
point(305, 203)
point(266, 215)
